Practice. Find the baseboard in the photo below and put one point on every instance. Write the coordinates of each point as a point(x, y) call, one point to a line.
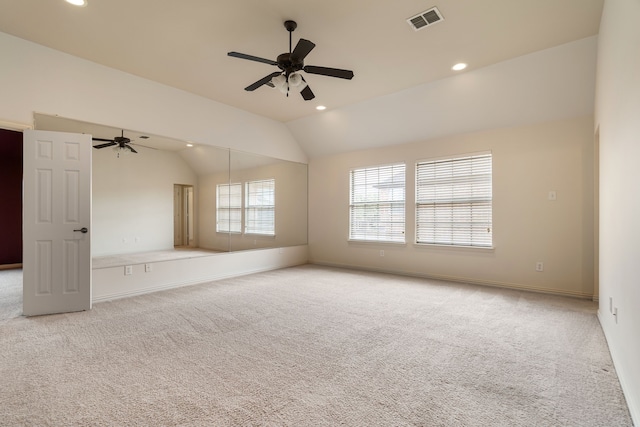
point(471, 281)
point(10, 266)
point(634, 409)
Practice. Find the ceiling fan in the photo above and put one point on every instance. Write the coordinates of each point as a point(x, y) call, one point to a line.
point(121, 141)
point(290, 65)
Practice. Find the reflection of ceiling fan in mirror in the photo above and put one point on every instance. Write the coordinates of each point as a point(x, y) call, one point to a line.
point(121, 143)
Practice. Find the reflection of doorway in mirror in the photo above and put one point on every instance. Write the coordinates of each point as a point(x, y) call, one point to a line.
point(183, 209)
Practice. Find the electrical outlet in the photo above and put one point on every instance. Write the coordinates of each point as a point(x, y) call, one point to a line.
point(128, 270)
point(381, 253)
point(148, 268)
point(539, 266)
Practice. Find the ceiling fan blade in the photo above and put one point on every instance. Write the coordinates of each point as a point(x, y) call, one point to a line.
point(103, 139)
point(307, 93)
point(130, 148)
point(262, 81)
point(302, 50)
point(252, 58)
point(108, 144)
point(145, 146)
point(331, 72)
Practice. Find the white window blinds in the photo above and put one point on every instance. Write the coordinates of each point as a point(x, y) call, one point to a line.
point(377, 203)
point(453, 201)
point(229, 208)
point(260, 207)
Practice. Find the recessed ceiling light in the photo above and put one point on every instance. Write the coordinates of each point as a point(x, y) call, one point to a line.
point(189, 145)
point(459, 66)
point(77, 2)
point(321, 107)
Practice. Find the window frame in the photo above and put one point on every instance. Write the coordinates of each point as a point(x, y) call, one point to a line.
point(259, 209)
point(477, 211)
point(229, 208)
point(360, 234)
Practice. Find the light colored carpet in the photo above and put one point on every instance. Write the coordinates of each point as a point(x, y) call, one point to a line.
point(10, 294)
point(314, 346)
point(152, 256)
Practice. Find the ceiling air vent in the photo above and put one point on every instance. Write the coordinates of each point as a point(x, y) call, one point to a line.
point(426, 18)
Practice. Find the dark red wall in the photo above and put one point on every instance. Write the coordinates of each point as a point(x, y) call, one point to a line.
point(10, 197)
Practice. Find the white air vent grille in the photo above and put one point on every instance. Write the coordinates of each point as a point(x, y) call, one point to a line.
point(425, 19)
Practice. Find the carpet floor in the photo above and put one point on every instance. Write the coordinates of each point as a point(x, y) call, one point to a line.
point(314, 346)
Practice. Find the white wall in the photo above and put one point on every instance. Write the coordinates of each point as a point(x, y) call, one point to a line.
point(133, 199)
point(34, 78)
point(552, 84)
point(618, 121)
point(528, 162)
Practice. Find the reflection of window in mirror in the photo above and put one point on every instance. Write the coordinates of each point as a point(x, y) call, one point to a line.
point(229, 208)
point(260, 207)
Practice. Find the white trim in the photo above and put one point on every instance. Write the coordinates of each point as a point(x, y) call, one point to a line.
point(14, 126)
point(465, 280)
point(455, 156)
point(634, 411)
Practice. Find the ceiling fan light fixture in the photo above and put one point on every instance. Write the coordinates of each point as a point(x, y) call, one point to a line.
point(295, 79)
point(279, 81)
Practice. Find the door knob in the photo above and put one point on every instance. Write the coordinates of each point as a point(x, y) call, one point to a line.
point(83, 230)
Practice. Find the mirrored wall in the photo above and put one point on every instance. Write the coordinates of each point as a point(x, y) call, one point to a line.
point(151, 193)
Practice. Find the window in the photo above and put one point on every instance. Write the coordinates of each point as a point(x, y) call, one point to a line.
point(260, 207)
point(453, 201)
point(376, 205)
point(229, 208)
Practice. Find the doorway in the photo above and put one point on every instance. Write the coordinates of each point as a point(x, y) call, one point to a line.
point(183, 216)
point(11, 216)
point(11, 184)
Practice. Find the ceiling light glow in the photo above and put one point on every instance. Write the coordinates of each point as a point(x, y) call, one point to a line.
point(321, 108)
point(460, 66)
point(189, 145)
point(77, 2)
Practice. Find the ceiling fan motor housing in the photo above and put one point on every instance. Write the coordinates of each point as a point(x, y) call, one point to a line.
point(289, 64)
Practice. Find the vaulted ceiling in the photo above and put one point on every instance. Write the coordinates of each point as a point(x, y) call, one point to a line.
point(185, 44)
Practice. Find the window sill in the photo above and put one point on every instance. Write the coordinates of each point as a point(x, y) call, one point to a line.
point(375, 242)
point(453, 247)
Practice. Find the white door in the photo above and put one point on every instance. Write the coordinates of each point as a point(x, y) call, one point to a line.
point(56, 222)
